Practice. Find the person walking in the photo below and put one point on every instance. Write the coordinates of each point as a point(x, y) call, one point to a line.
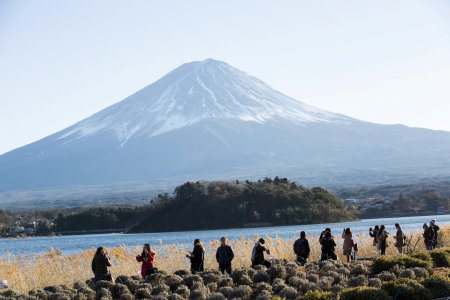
point(258, 254)
point(224, 256)
point(197, 257)
point(100, 264)
point(382, 236)
point(436, 232)
point(147, 257)
point(400, 238)
point(373, 233)
point(428, 236)
point(328, 246)
point(301, 249)
point(348, 243)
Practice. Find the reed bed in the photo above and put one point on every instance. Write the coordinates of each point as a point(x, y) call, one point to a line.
point(25, 273)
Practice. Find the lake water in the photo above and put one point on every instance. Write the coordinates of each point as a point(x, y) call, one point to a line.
point(75, 243)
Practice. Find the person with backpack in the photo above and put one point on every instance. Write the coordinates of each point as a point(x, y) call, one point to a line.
point(197, 257)
point(100, 264)
point(400, 238)
point(347, 245)
point(258, 254)
point(382, 236)
point(224, 256)
point(435, 229)
point(328, 246)
point(147, 257)
point(428, 236)
point(301, 249)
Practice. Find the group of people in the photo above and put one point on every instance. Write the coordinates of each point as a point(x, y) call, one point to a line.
point(224, 254)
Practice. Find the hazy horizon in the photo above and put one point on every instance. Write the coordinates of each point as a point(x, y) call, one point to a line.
point(62, 62)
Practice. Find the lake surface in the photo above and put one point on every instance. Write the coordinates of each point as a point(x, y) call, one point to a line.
point(76, 243)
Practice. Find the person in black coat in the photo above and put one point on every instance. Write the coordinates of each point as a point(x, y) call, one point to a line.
point(258, 254)
point(100, 264)
point(301, 249)
point(224, 256)
point(197, 257)
point(328, 246)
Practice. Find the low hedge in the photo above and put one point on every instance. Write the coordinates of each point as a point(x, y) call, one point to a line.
point(406, 289)
point(441, 257)
point(438, 286)
point(363, 292)
point(319, 295)
point(385, 263)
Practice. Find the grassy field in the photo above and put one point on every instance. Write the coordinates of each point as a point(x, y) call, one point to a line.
point(54, 268)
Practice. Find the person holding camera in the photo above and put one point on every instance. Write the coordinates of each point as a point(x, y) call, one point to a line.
point(258, 254)
point(100, 265)
point(197, 257)
point(147, 257)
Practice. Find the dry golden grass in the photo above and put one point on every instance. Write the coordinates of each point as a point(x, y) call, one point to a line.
point(53, 268)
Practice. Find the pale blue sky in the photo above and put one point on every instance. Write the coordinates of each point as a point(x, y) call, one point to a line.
point(379, 61)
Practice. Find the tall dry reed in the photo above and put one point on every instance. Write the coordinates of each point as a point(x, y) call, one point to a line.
point(25, 273)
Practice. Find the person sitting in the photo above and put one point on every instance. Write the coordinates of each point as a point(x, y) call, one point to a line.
point(224, 256)
point(100, 264)
point(147, 257)
point(197, 257)
point(301, 249)
point(258, 254)
point(328, 246)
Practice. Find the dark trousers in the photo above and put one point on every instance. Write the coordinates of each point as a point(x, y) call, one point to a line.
point(302, 260)
point(225, 268)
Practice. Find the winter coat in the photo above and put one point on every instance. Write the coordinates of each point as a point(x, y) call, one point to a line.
point(328, 251)
point(435, 229)
point(197, 259)
point(399, 238)
point(258, 254)
point(348, 241)
point(301, 248)
point(224, 255)
point(429, 234)
point(147, 262)
point(100, 264)
point(374, 234)
point(382, 236)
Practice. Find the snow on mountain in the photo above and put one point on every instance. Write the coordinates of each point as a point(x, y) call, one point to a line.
point(196, 91)
point(208, 120)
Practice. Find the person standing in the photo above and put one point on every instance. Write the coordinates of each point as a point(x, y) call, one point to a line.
point(301, 249)
point(328, 246)
point(100, 264)
point(373, 233)
point(428, 236)
point(382, 236)
point(224, 256)
point(435, 229)
point(258, 253)
point(399, 238)
point(348, 243)
point(197, 257)
point(147, 257)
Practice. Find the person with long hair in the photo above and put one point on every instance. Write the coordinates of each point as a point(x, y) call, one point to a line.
point(400, 238)
point(197, 257)
point(147, 258)
point(348, 243)
point(382, 243)
point(100, 264)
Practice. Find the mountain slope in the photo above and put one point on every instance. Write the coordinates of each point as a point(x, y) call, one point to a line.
point(209, 120)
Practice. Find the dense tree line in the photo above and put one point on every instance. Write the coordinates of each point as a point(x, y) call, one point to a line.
point(212, 205)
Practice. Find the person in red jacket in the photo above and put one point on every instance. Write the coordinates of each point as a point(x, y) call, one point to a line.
point(147, 257)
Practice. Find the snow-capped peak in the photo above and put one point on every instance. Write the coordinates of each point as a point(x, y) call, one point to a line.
point(195, 91)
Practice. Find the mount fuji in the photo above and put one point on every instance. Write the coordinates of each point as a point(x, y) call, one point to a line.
point(209, 120)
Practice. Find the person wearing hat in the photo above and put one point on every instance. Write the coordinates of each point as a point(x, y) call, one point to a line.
point(435, 229)
point(258, 253)
point(224, 256)
point(197, 257)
